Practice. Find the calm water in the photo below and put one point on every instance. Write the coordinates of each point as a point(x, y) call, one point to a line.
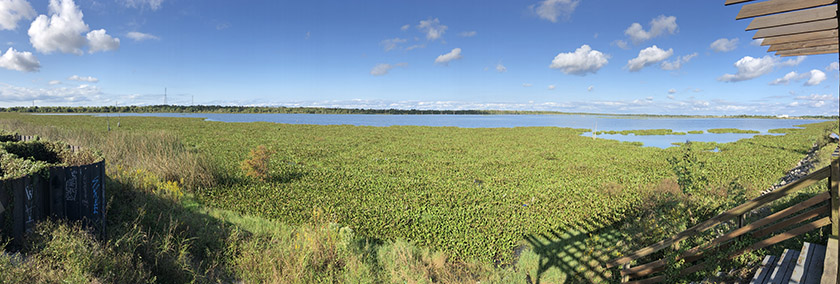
point(602, 123)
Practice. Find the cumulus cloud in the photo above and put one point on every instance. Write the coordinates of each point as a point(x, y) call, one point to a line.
point(672, 91)
point(677, 64)
point(816, 77)
point(621, 44)
point(756, 42)
point(834, 66)
point(432, 28)
point(99, 40)
point(501, 68)
point(383, 68)
point(138, 36)
point(814, 101)
point(152, 4)
point(580, 62)
point(751, 68)
point(88, 79)
point(444, 59)
point(62, 31)
point(647, 57)
point(658, 26)
point(405, 27)
point(13, 11)
point(724, 45)
point(19, 61)
point(551, 10)
point(468, 34)
point(391, 44)
point(54, 82)
point(551, 87)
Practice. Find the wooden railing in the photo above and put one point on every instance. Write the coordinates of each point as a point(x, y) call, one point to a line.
point(816, 212)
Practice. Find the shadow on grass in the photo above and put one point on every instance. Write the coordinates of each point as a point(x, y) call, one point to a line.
point(176, 244)
point(577, 254)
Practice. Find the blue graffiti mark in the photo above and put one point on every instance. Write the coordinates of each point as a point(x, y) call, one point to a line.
point(96, 195)
point(29, 192)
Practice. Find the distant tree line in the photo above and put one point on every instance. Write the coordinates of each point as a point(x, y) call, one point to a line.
point(321, 110)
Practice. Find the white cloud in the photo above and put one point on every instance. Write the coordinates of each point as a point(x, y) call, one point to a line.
point(88, 79)
point(834, 66)
point(444, 59)
point(647, 57)
point(13, 11)
point(138, 36)
point(390, 44)
point(153, 4)
point(62, 31)
point(677, 64)
point(750, 67)
point(724, 45)
point(415, 46)
point(526, 85)
point(590, 88)
point(20, 61)
point(621, 44)
point(83, 93)
point(580, 62)
point(432, 28)
point(54, 82)
point(383, 68)
point(756, 42)
point(468, 34)
point(816, 77)
point(551, 87)
point(405, 27)
point(671, 97)
point(649, 98)
point(99, 40)
point(658, 26)
point(552, 9)
point(501, 68)
point(672, 91)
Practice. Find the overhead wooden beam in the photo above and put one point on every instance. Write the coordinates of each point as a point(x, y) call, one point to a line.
point(808, 53)
point(809, 50)
point(795, 17)
point(800, 37)
point(730, 2)
point(822, 25)
point(802, 44)
point(778, 6)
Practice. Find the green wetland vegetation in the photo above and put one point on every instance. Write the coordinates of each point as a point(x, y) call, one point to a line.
point(201, 201)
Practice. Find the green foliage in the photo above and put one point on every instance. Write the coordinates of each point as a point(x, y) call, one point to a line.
point(690, 171)
point(22, 158)
point(695, 132)
point(642, 132)
point(732, 130)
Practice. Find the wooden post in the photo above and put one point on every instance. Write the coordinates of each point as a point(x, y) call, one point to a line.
point(834, 190)
point(625, 278)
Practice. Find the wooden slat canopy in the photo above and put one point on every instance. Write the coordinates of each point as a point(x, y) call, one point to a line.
point(792, 27)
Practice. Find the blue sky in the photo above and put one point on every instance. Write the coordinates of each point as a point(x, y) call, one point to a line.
point(661, 57)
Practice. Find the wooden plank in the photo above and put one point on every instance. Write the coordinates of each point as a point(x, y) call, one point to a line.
point(730, 2)
point(764, 270)
point(821, 25)
point(834, 189)
point(802, 263)
point(654, 266)
point(725, 216)
point(815, 267)
point(792, 221)
point(825, 221)
point(802, 44)
point(796, 17)
point(657, 279)
point(799, 37)
point(778, 6)
point(830, 263)
point(808, 53)
point(810, 50)
point(784, 267)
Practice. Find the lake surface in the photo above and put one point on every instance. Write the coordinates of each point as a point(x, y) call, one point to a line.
point(599, 122)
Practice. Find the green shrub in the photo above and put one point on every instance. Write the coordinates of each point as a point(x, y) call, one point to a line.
point(257, 164)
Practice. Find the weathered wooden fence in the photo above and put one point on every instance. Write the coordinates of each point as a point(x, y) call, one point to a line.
point(816, 212)
point(74, 193)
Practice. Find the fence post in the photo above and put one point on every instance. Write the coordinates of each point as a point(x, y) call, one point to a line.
point(834, 190)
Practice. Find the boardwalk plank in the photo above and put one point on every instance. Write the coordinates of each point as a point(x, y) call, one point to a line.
point(767, 266)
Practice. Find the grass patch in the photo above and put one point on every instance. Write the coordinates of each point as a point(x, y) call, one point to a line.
point(732, 130)
point(643, 132)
